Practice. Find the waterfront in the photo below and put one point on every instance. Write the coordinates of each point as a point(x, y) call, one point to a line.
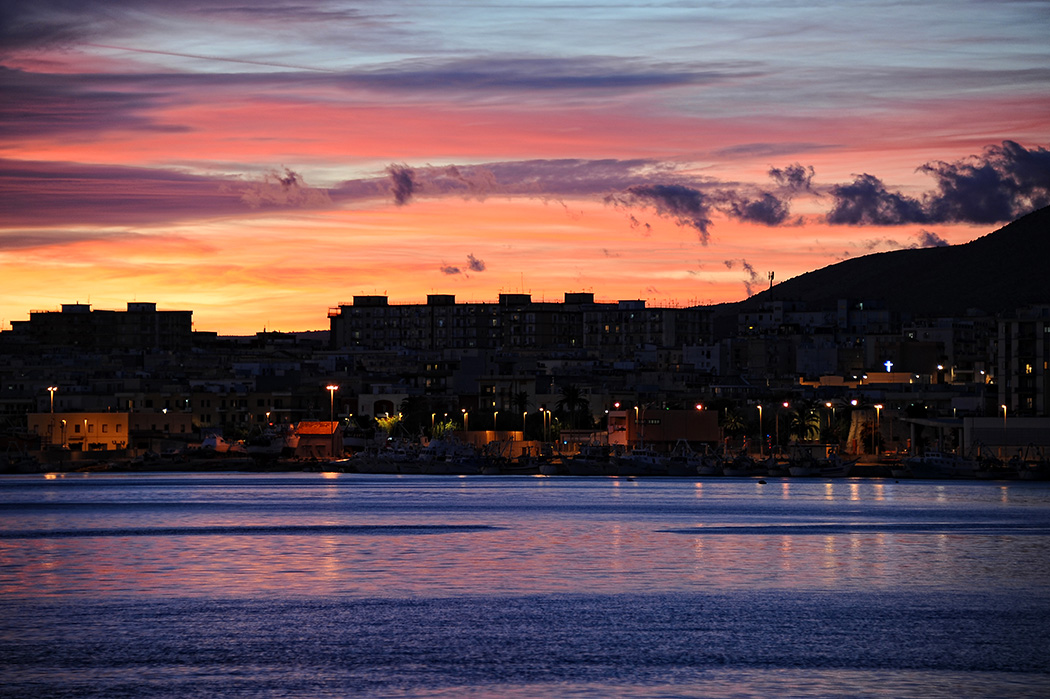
point(339, 584)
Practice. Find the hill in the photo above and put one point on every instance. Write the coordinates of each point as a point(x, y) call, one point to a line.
point(998, 272)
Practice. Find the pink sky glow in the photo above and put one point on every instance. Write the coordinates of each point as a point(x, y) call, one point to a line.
point(258, 166)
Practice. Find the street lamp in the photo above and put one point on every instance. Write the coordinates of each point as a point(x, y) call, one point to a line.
point(332, 388)
point(495, 414)
point(51, 390)
point(761, 445)
point(786, 405)
point(466, 428)
point(878, 408)
point(1003, 406)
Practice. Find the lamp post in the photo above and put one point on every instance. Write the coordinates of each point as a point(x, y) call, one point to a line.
point(466, 424)
point(786, 405)
point(495, 414)
point(761, 439)
point(878, 409)
point(332, 388)
point(51, 430)
point(1003, 406)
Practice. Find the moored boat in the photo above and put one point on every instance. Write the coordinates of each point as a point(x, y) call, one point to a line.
point(641, 461)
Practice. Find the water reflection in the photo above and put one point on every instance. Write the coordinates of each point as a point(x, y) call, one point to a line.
point(517, 536)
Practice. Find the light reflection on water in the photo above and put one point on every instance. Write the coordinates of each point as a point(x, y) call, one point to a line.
point(762, 558)
point(603, 535)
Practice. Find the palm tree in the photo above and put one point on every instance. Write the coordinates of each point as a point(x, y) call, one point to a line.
point(573, 403)
point(520, 401)
point(732, 423)
point(804, 421)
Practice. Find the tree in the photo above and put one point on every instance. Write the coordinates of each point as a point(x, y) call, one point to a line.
point(732, 423)
point(573, 404)
point(520, 401)
point(804, 421)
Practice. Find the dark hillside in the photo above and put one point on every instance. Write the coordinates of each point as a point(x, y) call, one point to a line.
point(997, 272)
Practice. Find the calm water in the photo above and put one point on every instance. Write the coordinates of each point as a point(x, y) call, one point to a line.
point(417, 586)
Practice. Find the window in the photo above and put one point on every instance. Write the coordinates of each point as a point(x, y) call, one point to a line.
point(105, 429)
point(118, 428)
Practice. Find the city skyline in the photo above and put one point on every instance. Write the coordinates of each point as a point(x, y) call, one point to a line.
point(261, 165)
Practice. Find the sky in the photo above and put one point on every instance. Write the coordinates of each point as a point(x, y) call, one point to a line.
point(260, 163)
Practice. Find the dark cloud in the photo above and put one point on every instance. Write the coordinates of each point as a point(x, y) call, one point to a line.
point(923, 239)
point(928, 239)
point(765, 208)
point(795, 177)
point(531, 74)
point(752, 278)
point(686, 205)
point(866, 201)
point(450, 270)
point(59, 194)
point(1005, 183)
point(36, 105)
point(402, 183)
point(29, 240)
point(474, 264)
point(283, 189)
point(768, 150)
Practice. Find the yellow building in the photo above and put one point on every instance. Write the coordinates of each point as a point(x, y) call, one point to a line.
point(81, 431)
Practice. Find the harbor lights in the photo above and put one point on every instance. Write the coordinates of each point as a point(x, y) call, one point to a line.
point(466, 428)
point(51, 390)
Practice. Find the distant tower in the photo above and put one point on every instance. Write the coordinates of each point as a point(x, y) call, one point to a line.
point(770, 286)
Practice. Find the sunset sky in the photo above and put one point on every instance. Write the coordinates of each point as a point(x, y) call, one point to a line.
point(258, 163)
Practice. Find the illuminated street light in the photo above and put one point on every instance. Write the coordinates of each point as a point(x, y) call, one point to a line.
point(761, 436)
point(878, 408)
point(51, 390)
point(332, 388)
point(1003, 406)
point(465, 422)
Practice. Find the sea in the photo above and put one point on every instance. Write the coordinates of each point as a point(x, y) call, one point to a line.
point(357, 585)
